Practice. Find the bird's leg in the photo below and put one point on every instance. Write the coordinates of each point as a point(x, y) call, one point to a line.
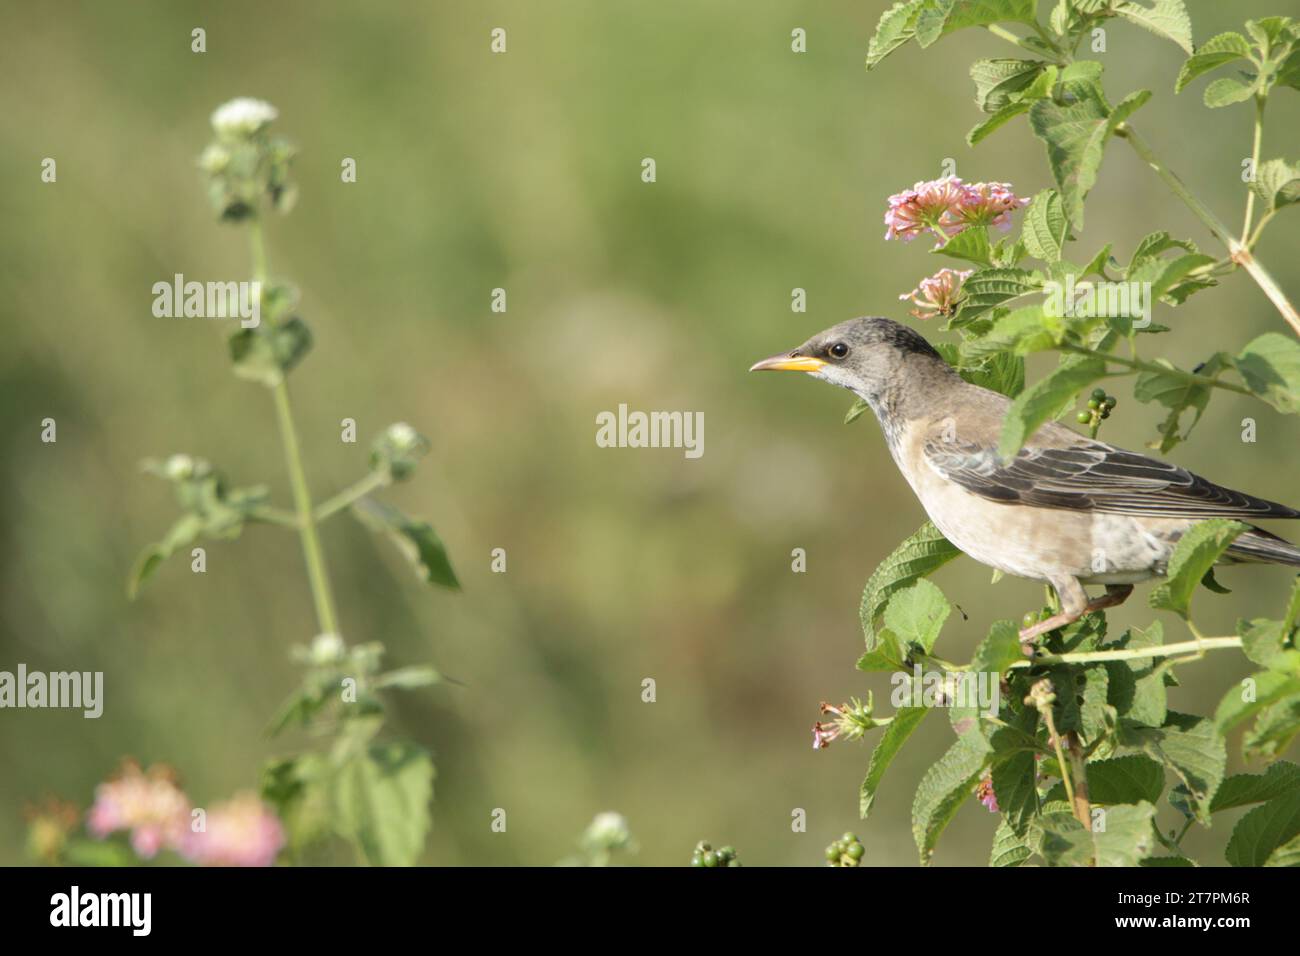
point(1074, 605)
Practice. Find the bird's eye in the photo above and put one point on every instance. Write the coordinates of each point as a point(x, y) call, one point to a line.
point(839, 350)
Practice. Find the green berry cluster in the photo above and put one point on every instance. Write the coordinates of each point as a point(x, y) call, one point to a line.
point(705, 855)
point(846, 851)
point(1099, 408)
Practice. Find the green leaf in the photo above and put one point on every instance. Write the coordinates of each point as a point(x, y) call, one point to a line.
point(1020, 332)
point(988, 288)
point(1277, 183)
point(1288, 854)
point(905, 720)
point(855, 412)
point(1178, 394)
point(999, 650)
point(897, 25)
point(1131, 779)
point(1211, 55)
point(182, 534)
point(1194, 554)
point(1246, 700)
point(266, 353)
point(1227, 90)
point(1165, 18)
point(1265, 642)
point(1045, 399)
point(1075, 128)
point(1277, 725)
point(298, 789)
point(415, 539)
point(1263, 830)
point(917, 556)
point(997, 82)
point(916, 614)
point(940, 17)
point(1189, 746)
point(1270, 366)
point(1046, 227)
point(970, 244)
point(944, 788)
point(1120, 836)
point(1137, 688)
point(381, 800)
point(1243, 789)
point(1008, 848)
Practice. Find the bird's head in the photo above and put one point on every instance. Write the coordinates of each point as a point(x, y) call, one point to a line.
point(868, 356)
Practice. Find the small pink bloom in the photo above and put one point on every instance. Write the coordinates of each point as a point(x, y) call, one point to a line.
point(940, 294)
point(932, 206)
point(150, 805)
point(243, 831)
point(986, 795)
point(989, 204)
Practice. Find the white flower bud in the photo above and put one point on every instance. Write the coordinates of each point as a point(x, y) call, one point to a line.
point(242, 117)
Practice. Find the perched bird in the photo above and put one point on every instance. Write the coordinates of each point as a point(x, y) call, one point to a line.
point(1067, 510)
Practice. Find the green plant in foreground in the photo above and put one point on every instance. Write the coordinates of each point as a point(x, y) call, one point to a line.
point(1082, 748)
point(704, 855)
point(372, 792)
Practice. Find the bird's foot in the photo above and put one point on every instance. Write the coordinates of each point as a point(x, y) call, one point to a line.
point(1116, 594)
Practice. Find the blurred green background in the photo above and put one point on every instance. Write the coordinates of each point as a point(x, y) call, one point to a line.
point(522, 171)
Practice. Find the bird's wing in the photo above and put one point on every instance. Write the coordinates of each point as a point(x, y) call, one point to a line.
point(1091, 476)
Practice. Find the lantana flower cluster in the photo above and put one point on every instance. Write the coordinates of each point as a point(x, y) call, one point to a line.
point(947, 206)
point(152, 807)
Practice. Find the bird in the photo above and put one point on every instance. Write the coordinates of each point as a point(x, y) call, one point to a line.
point(1067, 510)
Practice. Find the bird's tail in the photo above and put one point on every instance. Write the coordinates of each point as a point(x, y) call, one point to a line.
point(1260, 545)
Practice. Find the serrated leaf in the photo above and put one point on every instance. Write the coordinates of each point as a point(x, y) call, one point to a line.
point(1008, 848)
point(920, 554)
point(904, 722)
point(1189, 746)
point(1165, 18)
point(945, 787)
point(1211, 55)
point(896, 26)
point(1270, 366)
point(1045, 399)
point(970, 244)
point(999, 650)
point(989, 288)
point(1131, 779)
point(1263, 830)
point(998, 81)
point(1227, 90)
point(1137, 688)
point(1194, 554)
point(1244, 701)
point(381, 800)
point(1125, 837)
point(1243, 789)
point(1277, 183)
point(416, 539)
point(1046, 227)
point(916, 614)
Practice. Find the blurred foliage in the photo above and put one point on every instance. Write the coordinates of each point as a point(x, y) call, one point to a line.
point(522, 171)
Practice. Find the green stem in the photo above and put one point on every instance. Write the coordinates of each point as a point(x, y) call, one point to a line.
point(1237, 250)
point(317, 577)
point(1194, 648)
point(1010, 37)
point(269, 515)
point(1254, 168)
point(1139, 365)
point(372, 482)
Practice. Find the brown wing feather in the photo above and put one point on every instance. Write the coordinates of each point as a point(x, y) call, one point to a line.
point(1093, 476)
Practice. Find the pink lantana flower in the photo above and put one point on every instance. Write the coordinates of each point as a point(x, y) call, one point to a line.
point(928, 206)
point(989, 204)
point(946, 206)
point(243, 831)
point(940, 294)
point(986, 795)
point(150, 805)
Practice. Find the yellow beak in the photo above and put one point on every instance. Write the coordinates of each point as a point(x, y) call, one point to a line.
point(788, 363)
